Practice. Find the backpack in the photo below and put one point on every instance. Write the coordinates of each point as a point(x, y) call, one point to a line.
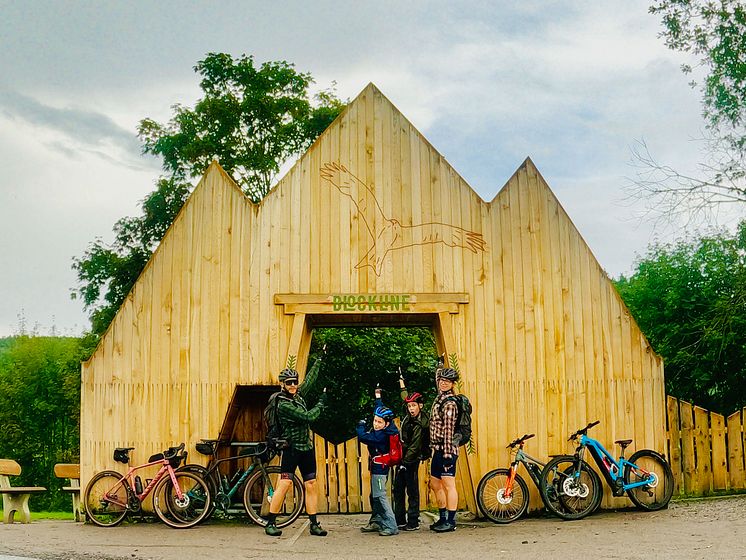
point(272, 421)
point(463, 422)
point(394, 456)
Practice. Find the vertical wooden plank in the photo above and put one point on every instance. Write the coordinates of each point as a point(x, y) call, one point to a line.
point(719, 456)
point(674, 443)
point(687, 447)
point(332, 478)
point(364, 476)
point(702, 445)
point(736, 447)
point(319, 445)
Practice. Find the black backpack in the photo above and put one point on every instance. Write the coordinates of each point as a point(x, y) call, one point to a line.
point(463, 422)
point(272, 420)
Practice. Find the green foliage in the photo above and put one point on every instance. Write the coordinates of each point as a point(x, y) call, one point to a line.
point(356, 360)
point(40, 410)
point(689, 299)
point(251, 119)
point(292, 360)
point(715, 32)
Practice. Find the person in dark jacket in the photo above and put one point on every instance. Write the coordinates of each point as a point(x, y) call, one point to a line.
point(415, 439)
point(377, 440)
point(295, 418)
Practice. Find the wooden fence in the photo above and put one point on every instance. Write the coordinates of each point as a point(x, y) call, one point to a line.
point(345, 480)
point(706, 450)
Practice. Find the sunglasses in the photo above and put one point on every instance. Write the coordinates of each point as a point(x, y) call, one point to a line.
point(291, 382)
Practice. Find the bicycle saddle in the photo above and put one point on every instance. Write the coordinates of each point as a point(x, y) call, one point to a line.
point(122, 454)
point(623, 442)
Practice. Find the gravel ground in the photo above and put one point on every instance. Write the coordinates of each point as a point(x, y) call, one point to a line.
point(704, 528)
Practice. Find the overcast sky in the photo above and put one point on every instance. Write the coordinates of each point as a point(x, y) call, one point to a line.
point(571, 84)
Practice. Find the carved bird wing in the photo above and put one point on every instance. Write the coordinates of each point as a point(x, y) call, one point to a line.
point(362, 197)
point(437, 232)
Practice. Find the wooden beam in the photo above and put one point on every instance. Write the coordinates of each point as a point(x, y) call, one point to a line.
point(371, 303)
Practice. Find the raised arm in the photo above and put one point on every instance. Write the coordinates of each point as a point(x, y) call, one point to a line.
point(310, 379)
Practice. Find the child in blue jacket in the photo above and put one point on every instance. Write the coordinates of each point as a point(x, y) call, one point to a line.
point(377, 440)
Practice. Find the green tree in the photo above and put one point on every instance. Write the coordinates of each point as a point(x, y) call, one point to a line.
point(252, 119)
point(358, 359)
point(714, 34)
point(689, 299)
point(40, 409)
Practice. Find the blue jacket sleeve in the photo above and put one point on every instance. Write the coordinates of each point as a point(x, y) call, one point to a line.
point(373, 437)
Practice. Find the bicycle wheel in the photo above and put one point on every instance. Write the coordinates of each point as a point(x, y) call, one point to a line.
point(492, 499)
point(650, 465)
point(258, 494)
point(105, 499)
point(186, 511)
point(202, 472)
point(565, 495)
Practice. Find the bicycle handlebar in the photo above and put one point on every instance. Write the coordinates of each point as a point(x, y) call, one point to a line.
point(583, 431)
point(519, 441)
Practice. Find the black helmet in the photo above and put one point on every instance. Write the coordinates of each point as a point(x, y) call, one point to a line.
point(288, 373)
point(448, 373)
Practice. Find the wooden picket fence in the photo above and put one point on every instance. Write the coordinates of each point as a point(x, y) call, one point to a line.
point(706, 450)
point(343, 476)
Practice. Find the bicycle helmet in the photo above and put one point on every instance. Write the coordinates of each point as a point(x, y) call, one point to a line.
point(384, 412)
point(288, 373)
point(448, 373)
point(414, 397)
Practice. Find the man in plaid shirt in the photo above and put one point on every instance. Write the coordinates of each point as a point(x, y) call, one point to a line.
point(444, 443)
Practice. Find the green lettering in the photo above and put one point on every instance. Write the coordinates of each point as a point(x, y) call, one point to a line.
point(405, 301)
point(336, 303)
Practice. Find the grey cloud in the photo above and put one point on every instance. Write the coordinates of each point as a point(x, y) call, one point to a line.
point(83, 130)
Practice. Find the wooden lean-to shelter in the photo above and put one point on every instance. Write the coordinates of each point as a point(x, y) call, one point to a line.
point(371, 226)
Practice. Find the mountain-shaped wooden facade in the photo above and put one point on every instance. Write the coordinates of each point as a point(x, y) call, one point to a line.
point(373, 226)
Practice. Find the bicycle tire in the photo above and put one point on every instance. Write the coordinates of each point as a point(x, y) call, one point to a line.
point(256, 501)
point(564, 497)
point(491, 498)
point(181, 514)
point(204, 474)
point(100, 511)
point(661, 494)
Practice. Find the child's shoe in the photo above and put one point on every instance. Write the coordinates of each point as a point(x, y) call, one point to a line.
point(370, 528)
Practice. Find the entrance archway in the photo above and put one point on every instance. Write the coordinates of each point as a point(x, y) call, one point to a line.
point(371, 310)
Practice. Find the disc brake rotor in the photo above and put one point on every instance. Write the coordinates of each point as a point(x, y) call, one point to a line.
point(502, 498)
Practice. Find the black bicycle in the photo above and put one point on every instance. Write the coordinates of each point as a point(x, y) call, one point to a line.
point(502, 494)
point(252, 486)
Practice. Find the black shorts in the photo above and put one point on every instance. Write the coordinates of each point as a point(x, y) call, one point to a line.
point(440, 466)
point(292, 459)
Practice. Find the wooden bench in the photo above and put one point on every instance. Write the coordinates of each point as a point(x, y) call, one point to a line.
point(15, 498)
point(71, 472)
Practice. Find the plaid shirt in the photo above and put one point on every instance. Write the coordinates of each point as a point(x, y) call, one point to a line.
point(443, 424)
point(294, 415)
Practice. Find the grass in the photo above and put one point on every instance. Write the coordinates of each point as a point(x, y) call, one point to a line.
point(38, 515)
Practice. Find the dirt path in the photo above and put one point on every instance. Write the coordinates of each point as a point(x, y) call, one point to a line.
point(711, 529)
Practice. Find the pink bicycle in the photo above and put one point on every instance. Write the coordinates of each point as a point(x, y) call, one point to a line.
point(180, 499)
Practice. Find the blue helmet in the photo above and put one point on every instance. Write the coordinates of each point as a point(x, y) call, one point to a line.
point(384, 412)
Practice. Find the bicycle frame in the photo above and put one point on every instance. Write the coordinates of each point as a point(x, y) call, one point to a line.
point(532, 465)
point(612, 469)
point(128, 481)
point(224, 485)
